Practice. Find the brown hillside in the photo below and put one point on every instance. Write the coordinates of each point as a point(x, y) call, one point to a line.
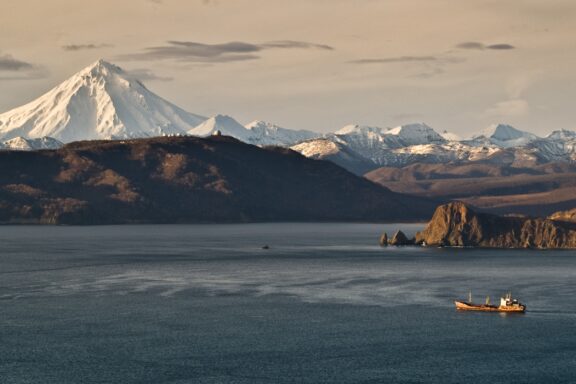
point(186, 179)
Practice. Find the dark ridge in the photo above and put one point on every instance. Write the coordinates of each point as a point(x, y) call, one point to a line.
point(185, 180)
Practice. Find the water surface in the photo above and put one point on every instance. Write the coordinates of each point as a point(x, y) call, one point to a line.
point(325, 304)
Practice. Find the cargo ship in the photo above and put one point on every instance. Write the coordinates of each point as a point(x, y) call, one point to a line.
point(507, 304)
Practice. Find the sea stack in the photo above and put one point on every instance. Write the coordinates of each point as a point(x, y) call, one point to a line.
point(400, 238)
point(384, 240)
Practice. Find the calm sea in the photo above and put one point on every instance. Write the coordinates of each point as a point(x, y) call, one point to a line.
point(325, 304)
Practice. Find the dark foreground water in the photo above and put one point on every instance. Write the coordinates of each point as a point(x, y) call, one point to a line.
point(205, 304)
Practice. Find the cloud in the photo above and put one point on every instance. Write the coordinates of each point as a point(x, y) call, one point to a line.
point(296, 44)
point(81, 47)
point(189, 51)
point(501, 46)
point(520, 82)
point(143, 74)
point(432, 72)
point(400, 59)
point(509, 108)
point(475, 45)
point(428, 66)
point(15, 69)
point(9, 63)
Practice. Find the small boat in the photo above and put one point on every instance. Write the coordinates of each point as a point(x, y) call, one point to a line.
point(507, 304)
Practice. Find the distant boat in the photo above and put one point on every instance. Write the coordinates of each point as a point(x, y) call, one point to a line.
point(507, 304)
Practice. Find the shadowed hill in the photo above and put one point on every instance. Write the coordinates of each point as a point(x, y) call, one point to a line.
point(535, 190)
point(187, 179)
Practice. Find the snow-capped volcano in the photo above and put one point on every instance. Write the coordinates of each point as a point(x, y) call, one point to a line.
point(99, 102)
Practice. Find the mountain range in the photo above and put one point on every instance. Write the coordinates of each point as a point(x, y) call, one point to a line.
point(103, 102)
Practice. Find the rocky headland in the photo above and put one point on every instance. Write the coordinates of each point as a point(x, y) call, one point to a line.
point(458, 224)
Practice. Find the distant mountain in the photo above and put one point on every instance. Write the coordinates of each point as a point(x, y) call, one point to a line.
point(449, 136)
point(264, 133)
point(415, 134)
point(338, 153)
point(99, 102)
point(418, 143)
point(257, 133)
point(188, 179)
point(504, 136)
point(562, 134)
point(497, 187)
point(104, 102)
point(370, 145)
point(226, 125)
point(22, 144)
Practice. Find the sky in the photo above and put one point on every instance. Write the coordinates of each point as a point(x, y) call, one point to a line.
point(312, 64)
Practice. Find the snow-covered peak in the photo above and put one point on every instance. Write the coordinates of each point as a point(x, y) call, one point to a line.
point(562, 134)
point(265, 133)
point(99, 102)
point(416, 134)
point(23, 144)
point(101, 68)
point(505, 136)
point(505, 132)
point(355, 129)
point(223, 123)
point(450, 136)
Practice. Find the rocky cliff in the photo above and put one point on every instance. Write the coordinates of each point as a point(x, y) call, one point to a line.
point(569, 216)
point(457, 224)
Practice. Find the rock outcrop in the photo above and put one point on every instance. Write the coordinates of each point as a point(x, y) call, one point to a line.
point(569, 216)
point(399, 239)
point(457, 224)
point(384, 240)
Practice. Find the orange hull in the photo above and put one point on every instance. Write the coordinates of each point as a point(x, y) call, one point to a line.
point(464, 306)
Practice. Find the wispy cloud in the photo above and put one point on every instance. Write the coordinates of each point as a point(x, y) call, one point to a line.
point(16, 69)
point(296, 44)
point(9, 63)
point(82, 47)
point(500, 46)
point(189, 51)
point(475, 45)
point(428, 65)
point(509, 108)
point(399, 59)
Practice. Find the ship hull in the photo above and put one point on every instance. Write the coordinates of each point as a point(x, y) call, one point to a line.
point(464, 306)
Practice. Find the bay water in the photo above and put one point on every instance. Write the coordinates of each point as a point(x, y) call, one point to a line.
point(324, 304)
